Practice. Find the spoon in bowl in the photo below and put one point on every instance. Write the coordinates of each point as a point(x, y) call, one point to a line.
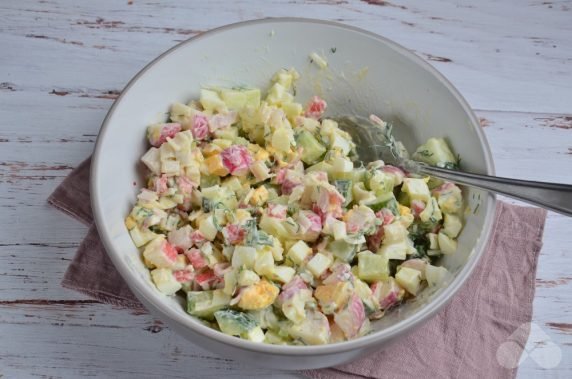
point(374, 141)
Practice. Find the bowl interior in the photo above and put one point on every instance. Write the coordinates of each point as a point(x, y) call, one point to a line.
point(365, 75)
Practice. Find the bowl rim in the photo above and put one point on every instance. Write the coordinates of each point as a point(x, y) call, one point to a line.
point(149, 297)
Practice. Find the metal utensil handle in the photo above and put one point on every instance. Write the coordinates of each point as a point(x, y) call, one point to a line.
point(553, 196)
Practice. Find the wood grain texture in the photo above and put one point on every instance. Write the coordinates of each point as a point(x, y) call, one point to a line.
point(65, 61)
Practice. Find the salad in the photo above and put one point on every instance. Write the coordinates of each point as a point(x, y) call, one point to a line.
point(259, 212)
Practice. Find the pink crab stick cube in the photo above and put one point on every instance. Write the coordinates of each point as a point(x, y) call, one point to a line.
point(198, 261)
point(234, 234)
point(351, 318)
point(160, 253)
point(316, 107)
point(236, 159)
point(200, 127)
point(158, 133)
point(388, 293)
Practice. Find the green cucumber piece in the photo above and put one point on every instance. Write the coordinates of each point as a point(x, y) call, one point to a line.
point(205, 303)
point(209, 181)
point(436, 152)
point(344, 187)
point(312, 149)
point(234, 323)
point(342, 250)
point(384, 200)
point(240, 98)
point(372, 267)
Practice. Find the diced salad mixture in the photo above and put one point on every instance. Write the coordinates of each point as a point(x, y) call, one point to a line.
point(259, 212)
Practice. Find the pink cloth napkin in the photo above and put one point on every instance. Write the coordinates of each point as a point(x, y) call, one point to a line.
point(462, 341)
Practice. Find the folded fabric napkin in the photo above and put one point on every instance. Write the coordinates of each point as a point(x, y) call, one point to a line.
point(463, 340)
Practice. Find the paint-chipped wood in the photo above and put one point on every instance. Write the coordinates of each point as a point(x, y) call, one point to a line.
point(560, 122)
point(553, 283)
point(66, 61)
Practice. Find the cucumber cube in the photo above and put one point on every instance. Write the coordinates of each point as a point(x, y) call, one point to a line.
point(211, 101)
point(342, 250)
point(340, 143)
point(204, 303)
point(264, 262)
point(319, 264)
point(431, 213)
point(299, 252)
point(238, 99)
point(396, 250)
point(283, 274)
point(165, 281)
point(447, 244)
point(278, 95)
point(372, 267)
point(435, 275)
point(247, 278)
point(435, 152)
point(292, 110)
point(234, 323)
point(452, 225)
point(433, 241)
point(312, 149)
point(417, 189)
point(207, 228)
point(384, 200)
point(141, 236)
point(282, 139)
point(243, 256)
point(255, 334)
point(409, 279)
point(381, 182)
point(394, 232)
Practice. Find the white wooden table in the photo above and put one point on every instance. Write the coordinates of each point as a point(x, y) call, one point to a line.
point(62, 64)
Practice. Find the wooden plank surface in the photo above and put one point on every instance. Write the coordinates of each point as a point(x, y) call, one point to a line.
point(63, 63)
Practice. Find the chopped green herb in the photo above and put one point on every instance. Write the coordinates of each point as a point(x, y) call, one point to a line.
point(264, 239)
point(207, 204)
point(425, 153)
point(450, 166)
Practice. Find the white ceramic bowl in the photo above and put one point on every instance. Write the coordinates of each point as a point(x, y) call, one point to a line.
point(367, 74)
